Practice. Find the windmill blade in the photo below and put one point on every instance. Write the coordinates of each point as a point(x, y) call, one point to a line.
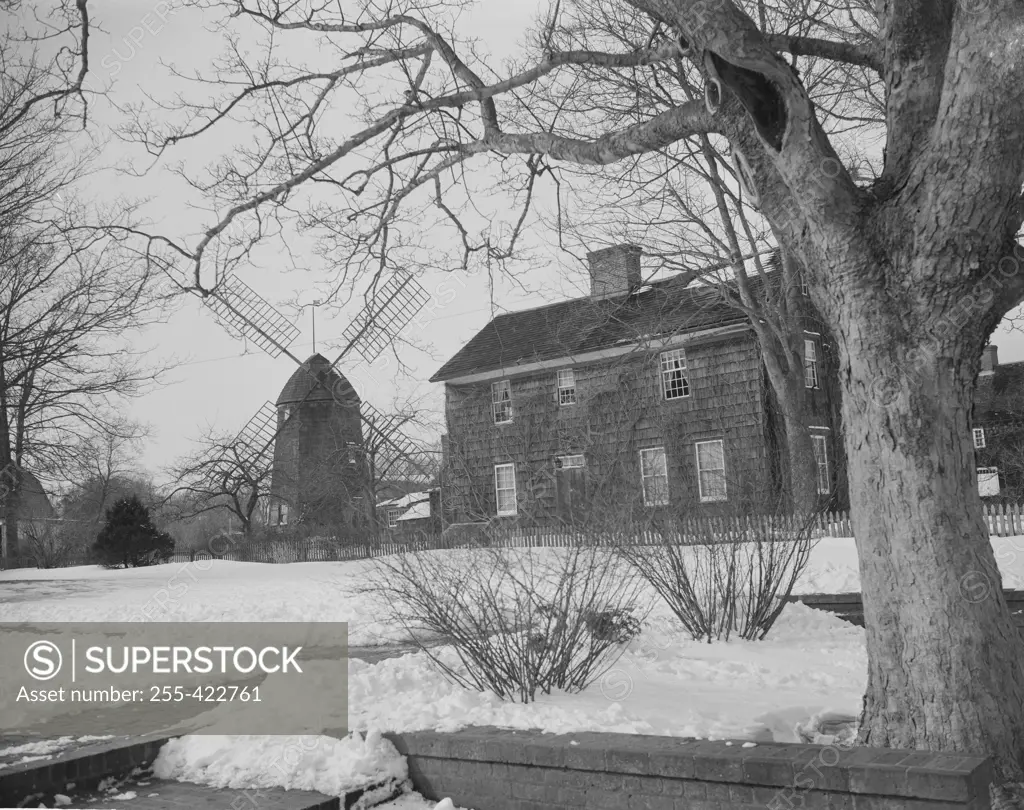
point(240, 308)
point(382, 424)
point(389, 310)
point(258, 434)
point(395, 450)
point(403, 461)
point(385, 315)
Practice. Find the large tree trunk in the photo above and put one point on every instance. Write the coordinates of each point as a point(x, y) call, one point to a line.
point(946, 662)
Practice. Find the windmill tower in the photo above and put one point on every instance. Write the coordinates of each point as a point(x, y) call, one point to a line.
point(319, 473)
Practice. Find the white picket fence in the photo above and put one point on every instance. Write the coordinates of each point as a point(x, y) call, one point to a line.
point(1004, 520)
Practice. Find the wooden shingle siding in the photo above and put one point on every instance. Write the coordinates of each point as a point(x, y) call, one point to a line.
point(620, 410)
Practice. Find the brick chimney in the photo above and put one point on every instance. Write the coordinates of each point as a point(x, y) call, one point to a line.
point(989, 359)
point(614, 270)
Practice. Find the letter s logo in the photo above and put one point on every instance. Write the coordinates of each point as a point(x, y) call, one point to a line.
point(43, 660)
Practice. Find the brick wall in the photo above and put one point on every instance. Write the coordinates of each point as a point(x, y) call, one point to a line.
point(496, 769)
point(614, 270)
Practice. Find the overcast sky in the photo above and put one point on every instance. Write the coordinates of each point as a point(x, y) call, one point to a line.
point(221, 382)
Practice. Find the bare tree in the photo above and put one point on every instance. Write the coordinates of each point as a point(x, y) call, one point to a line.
point(222, 475)
point(71, 293)
point(65, 322)
point(686, 203)
point(911, 270)
point(99, 465)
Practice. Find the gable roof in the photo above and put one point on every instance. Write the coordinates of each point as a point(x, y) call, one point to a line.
point(33, 502)
point(406, 500)
point(316, 380)
point(658, 308)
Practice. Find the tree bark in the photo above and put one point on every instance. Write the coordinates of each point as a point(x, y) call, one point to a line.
point(945, 660)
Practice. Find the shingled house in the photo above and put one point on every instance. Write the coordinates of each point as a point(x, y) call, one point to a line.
point(998, 428)
point(640, 396)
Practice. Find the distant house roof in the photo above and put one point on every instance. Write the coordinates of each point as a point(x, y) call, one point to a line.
point(999, 396)
point(35, 504)
point(406, 500)
point(417, 511)
point(316, 381)
point(568, 328)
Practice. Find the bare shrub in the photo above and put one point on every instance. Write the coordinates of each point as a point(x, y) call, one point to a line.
point(55, 543)
point(520, 620)
point(720, 581)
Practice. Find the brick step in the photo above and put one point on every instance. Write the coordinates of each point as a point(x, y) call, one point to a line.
point(160, 794)
point(850, 608)
point(93, 775)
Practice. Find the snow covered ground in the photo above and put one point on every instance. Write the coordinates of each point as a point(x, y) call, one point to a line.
point(209, 590)
point(812, 664)
point(203, 591)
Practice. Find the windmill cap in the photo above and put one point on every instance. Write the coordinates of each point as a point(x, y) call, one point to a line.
point(317, 381)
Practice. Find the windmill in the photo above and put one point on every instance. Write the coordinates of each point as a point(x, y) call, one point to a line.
point(388, 311)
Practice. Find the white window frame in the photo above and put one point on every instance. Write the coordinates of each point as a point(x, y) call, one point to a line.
point(651, 498)
point(988, 471)
point(572, 462)
point(501, 401)
point(566, 379)
point(820, 448)
point(282, 514)
point(673, 362)
point(392, 515)
point(810, 364)
point(979, 438)
point(803, 286)
point(498, 490)
point(711, 497)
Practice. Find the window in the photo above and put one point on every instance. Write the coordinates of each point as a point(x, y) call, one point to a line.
point(501, 401)
point(821, 459)
point(566, 387)
point(282, 514)
point(803, 286)
point(393, 517)
point(711, 470)
point(810, 364)
point(979, 438)
point(569, 462)
point(505, 488)
point(988, 481)
point(674, 383)
point(654, 476)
